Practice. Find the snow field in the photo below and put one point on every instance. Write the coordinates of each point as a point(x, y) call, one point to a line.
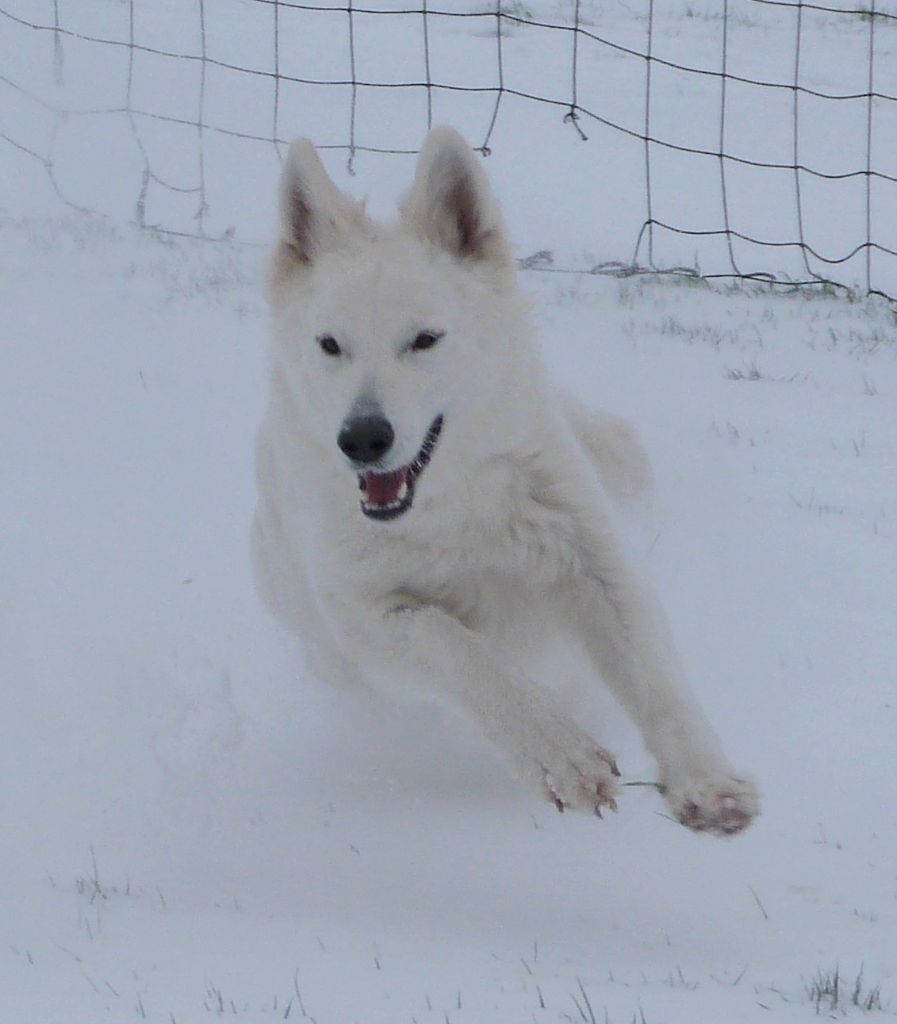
point(180, 842)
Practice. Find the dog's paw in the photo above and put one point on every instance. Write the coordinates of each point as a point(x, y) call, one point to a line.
point(568, 767)
point(583, 784)
point(718, 802)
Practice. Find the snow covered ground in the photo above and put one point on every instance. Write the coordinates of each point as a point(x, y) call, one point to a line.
point(177, 842)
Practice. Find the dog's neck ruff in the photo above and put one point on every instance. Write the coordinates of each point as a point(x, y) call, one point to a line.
point(389, 495)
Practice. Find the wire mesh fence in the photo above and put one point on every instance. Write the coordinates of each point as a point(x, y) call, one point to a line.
point(760, 135)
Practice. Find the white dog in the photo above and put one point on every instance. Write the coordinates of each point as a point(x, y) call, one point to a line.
point(431, 510)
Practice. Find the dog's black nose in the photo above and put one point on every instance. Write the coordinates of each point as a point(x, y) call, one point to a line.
point(366, 439)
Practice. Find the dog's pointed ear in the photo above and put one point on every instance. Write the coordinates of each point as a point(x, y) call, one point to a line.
point(315, 215)
point(451, 204)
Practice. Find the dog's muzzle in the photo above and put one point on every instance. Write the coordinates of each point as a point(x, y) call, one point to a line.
point(389, 495)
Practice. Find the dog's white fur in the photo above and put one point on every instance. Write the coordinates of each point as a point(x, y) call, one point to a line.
point(508, 540)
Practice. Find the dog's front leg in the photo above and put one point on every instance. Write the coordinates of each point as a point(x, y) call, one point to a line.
point(629, 640)
point(424, 648)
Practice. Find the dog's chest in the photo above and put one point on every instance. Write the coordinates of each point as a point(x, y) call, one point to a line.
point(491, 569)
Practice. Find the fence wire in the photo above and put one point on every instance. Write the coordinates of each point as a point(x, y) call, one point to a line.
point(133, 49)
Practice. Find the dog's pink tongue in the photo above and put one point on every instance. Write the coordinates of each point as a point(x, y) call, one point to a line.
point(383, 488)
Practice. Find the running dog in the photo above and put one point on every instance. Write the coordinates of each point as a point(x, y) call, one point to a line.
point(432, 510)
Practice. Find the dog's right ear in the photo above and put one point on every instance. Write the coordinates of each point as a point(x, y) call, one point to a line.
point(451, 204)
point(314, 215)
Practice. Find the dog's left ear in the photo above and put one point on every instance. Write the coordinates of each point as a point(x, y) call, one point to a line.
point(451, 204)
point(315, 215)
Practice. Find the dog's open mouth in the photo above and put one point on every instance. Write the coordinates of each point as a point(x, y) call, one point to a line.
point(388, 495)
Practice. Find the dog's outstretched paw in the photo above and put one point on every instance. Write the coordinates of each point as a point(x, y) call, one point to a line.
point(578, 776)
point(584, 788)
point(721, 804)
point(549, 751)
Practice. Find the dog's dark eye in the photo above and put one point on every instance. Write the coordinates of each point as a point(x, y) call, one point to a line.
point(330, 345)
point(426, 339)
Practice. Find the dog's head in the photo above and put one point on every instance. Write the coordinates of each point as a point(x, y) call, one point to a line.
point(389, 338)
